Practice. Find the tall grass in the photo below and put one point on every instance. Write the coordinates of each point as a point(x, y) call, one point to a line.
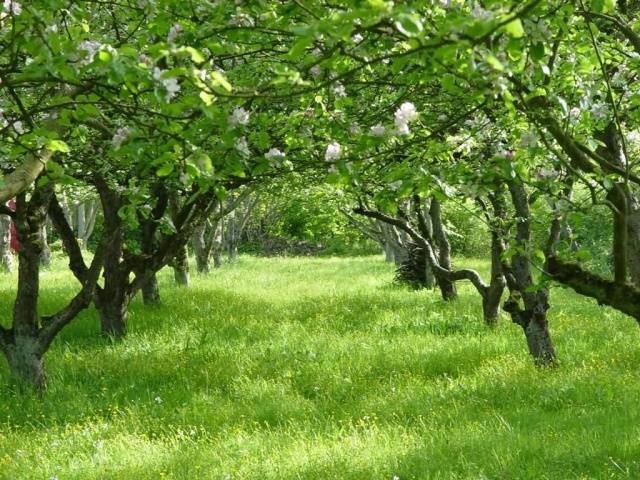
point(321, 369)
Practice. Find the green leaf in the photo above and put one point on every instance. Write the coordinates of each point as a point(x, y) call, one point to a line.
point(207, 98)
point(514, 28)
point(409, 25)
point(495, 63)
point(58, 146)
point(165, 170)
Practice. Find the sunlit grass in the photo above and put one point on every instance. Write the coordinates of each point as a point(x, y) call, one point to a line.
point(321, 369)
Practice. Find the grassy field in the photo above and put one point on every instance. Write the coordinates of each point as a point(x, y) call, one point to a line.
point(321, 369)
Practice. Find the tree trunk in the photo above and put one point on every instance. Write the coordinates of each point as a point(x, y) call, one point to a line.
point(201, 249)
point(6, 259)
point(150, 289)
point(181, 267)
point(113, 317)
point(23, 351)
point(26, 362)
point(447, 287)
point(493, 294)
point(112, 299)
point(533, 317)
point(45, 255)
point(633, 225)
point(217, 243)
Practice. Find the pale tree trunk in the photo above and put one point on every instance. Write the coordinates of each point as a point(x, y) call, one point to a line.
point(45, 255)
point(6, 259)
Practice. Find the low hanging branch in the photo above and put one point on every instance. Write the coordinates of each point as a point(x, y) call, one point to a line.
point(464, 274)
point(621, 296)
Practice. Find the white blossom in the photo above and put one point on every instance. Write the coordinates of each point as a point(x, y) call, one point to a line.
point(170, 84)
point(333, 152)
point(145, 59)
point(600, 111)
point(242, 146)
point(315, 71)
point(406, 114)
point(90, 48)
point(339, 90)
point(158, 400)
point(239, 116)
point(173, 33)
point(18, 127)
point(274, 154)
point(120, 137)
point(12, 7)
point(357, 38)
point(378, 130)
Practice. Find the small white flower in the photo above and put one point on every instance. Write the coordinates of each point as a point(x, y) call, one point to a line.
point(18, 127)
point(145, 59)
point(170, 84)
point(239, 116)
point(173, 33)
point(12, 7)
point(242, 146)
point(378, 130)
point(402, 128)
point(273, 154)
point(158, 400)
point(333, 152)
point(600, 111)
point(407, 112)
point(120, 137)
point(315, 71)
point(357, 38)
point(339, 90)
point(90, 48)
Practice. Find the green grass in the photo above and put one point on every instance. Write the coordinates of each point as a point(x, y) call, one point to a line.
point(321, 369)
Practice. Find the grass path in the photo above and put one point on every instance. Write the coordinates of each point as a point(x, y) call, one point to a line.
point(321, 369)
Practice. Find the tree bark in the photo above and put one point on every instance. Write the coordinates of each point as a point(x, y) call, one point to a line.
point(6, 259)
point(181, 267)
point(528, 304)
point(45, 255)
point(441, 240)
point(112, 299)
point(202, 248)
point(150, 289)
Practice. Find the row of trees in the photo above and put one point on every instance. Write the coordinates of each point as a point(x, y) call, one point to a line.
point(168, 113)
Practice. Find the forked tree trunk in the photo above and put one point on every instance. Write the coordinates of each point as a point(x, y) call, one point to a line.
point(6, 259)
point(528, 304)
